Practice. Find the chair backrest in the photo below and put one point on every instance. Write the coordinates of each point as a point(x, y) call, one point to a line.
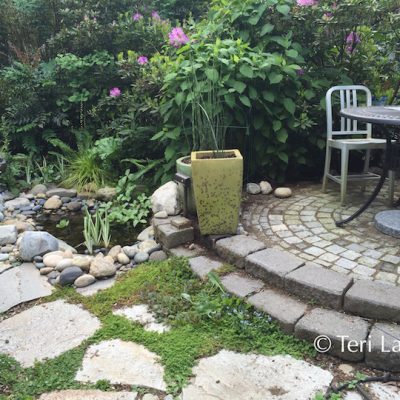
point(348, 98)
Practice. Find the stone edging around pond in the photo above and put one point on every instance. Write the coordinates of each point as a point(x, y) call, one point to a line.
point(277, 283)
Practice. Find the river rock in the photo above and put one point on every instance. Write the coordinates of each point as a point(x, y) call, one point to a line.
point(161, 215)
point(8, 234)
point(17, 203)
point(52, 259)
point(130, 251)
point(69, 275)
point(253, 188)
point(53, 203)
point(149, 246)
point(84, 280)
point(61, 192)
point(64, 263)
point(46, 270)
point(114, 251)
point(37, 189)
point(282, 192)
point(82, 261)
point(106, 194)
point(146, 234)
point(123, 258)
point(4, 257)
point(101, 268)
point(74, 206)
point(158, 256)
point(141, 257)
point(36, 244)
point(166, 198)
point(266, 187)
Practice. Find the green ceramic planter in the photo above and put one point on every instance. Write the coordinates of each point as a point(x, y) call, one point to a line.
point(186, 168)
point(217, 184)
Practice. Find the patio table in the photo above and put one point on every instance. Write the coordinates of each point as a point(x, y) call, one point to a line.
point(384, 116)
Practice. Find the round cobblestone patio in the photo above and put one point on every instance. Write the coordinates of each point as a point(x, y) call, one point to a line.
point(304, 224)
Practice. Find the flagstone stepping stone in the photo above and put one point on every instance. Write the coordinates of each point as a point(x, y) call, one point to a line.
point(96, 287)
point(122, 362)
point(233, 376)
point(20, 284)
point(140, 313)
point(45, 331)
point(88, 395)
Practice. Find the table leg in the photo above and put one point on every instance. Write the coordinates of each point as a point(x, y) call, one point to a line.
point(385, 169)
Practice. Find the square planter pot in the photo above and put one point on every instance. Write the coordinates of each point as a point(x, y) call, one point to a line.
point(217, 184)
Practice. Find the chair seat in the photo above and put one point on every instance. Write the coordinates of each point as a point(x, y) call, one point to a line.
point(364, 143)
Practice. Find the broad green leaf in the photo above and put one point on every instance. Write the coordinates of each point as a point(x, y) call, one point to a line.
point(169, 152)
point(282, 136)
point(258, 122)
point(292, 53)
point(289, 105)
point(283, 9)
point(275, 78)
point(309, 94)
point(246, 71)
point(267, 28)
point(276, 125)
point(179, 98)
point(284, 157)
point(212, 74)
point(253, 93)
point(269, 96)
point(230, 100)
point(245, 100)
point(238, 86)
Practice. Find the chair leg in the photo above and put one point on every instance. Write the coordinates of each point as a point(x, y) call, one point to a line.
point(391, 177)
point(344, 174)
point(327, 167)
point(366, 167)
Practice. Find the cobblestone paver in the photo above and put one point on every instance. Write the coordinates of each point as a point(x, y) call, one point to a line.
point(304, 224)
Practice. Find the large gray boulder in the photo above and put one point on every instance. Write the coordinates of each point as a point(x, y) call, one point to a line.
point(166, 198)
point(36, 244)
point(8, 234)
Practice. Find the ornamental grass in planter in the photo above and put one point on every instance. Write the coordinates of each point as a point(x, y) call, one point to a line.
point(217, 174)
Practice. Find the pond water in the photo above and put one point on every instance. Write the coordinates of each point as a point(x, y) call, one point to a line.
point(124, 235)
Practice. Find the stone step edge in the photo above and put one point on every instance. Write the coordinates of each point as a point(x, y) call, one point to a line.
point(363, 298)
point(351, 338)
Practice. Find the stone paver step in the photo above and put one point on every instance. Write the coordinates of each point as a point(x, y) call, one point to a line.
point(281, 307)
point(272, 265)
point(241, 285)
point(339, 334)
point(384, 349)
point(21, 284)
point(234, 249)
point(88, 395)
point(318, 284)
point(202, 265)
point(373, 299)
point(121, 362)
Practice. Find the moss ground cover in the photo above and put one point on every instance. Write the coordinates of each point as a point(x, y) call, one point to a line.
point(203, 318)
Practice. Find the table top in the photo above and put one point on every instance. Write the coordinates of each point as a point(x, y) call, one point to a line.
point(385, 115)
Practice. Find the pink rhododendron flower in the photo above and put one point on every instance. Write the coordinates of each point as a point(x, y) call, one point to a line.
point(177, 37)
point(142, 60)
point(327, 16)
point(305, 3)
point(352, 40)
point(155, 16)
point(137, 16)
point(115, 92)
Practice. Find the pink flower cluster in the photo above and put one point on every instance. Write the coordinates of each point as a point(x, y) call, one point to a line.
point(305, 3)
point(137, 16)
point(115, 92)
point(177, 37)
point(155, 16)
point(352, 40)
point(142, 60)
